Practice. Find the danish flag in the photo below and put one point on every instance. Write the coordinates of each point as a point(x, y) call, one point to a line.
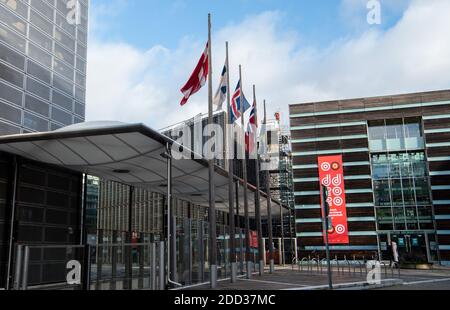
point(198, 77)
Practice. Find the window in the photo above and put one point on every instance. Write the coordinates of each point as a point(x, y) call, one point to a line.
point(11, 57)
point(10, 113)
point(62, 101)
point(39, 55)
point(400, 174)
point(35, 123)
point(43, 8)
point(38, 72)
point(62, 117)
point(11, 75)
point(40, 39)
point(12, 39)
point(38, 89)
point(41, 23)
point(12, 20)
point(36, 105)
point(17, 6)
point(64, 54)
point(10, 94)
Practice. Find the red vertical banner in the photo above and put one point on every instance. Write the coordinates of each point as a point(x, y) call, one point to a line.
point(331, 175)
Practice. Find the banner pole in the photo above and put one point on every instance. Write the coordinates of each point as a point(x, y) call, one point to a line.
point(269, 204)
point(244, 173)
point(261, 247)
point(229, 158)
point(327, 239)
point(211, 166)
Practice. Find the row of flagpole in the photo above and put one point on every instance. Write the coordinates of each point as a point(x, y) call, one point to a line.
point(197, 80)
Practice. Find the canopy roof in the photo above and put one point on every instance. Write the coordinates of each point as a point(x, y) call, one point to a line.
point(130, 154)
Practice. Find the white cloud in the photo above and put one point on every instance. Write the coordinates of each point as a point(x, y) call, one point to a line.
point(143, 86)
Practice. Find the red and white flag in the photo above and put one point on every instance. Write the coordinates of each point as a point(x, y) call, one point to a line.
point(197, 79)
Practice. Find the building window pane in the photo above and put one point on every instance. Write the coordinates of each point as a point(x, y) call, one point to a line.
point(17, 6)
point(382, 193)
point(38, 72)
point(38, 89)
point(11, 94)
point(36, 105)
point(11, 75)
point(10, 113)
point(41, 23)
point(394, 135)
point(12, 20)
point(62, 101)
point(422, 191)
point(62, 117)
point(39, 55)
point(12, 57)
point(40, 39)
point(64, 54)
point(12, 39)
point(35, 123)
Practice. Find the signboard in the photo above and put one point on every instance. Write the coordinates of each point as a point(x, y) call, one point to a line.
point(331, 175)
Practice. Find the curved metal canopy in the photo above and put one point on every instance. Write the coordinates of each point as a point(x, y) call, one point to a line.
point(130, 154)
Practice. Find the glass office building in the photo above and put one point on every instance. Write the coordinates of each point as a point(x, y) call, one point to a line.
point(43, 46)
point(396, 152)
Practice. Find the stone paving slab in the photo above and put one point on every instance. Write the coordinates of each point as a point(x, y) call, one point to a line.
point(288, 279)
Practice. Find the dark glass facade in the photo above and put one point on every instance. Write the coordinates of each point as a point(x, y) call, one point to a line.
point(42, 65)
point(47, 212)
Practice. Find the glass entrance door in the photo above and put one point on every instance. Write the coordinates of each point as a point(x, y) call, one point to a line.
point(411, 248)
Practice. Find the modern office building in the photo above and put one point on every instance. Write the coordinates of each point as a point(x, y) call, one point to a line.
point(396, 152)
point(43, 49)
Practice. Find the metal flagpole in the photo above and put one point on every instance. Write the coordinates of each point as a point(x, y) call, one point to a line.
point(244, 172)
point(326, 213)
point(230, 181)
point(269, 204)
point(211, 164)
point(261, 247)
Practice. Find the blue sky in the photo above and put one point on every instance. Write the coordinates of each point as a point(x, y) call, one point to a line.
point(144, 23)
point(141, 52)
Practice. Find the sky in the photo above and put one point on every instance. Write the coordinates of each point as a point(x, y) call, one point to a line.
point(141, 52)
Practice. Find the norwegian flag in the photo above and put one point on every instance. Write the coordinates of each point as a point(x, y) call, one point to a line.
point(198, 77)
point(235, 109)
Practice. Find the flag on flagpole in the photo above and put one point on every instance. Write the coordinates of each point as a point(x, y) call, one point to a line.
point(250, 134)
point(197, 79)
point(235, 109)
point(221, 94)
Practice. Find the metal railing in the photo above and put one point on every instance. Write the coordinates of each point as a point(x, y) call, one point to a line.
point(85, 267)
point(350, 267)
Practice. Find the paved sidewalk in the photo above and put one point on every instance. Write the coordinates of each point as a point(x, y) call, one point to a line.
point(288, 279)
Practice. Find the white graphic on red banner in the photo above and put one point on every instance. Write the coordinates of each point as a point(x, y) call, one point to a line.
point(331, 174)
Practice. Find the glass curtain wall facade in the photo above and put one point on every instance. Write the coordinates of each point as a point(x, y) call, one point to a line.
point(43, 52)
point(400, 175)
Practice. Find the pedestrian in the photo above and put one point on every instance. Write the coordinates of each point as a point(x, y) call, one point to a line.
point(395, 255)
point(390, 254)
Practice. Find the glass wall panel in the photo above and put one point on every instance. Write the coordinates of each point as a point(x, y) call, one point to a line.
point(11, 57)
point(395, 135)
point(400, 175)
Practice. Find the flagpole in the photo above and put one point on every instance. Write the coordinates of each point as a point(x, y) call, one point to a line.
point(269, 204)
point(244, 173)
point(229, 158)
point(211, 166)
point(261, 248)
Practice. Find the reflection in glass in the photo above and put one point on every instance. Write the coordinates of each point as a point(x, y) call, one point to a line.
point(400, 175)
